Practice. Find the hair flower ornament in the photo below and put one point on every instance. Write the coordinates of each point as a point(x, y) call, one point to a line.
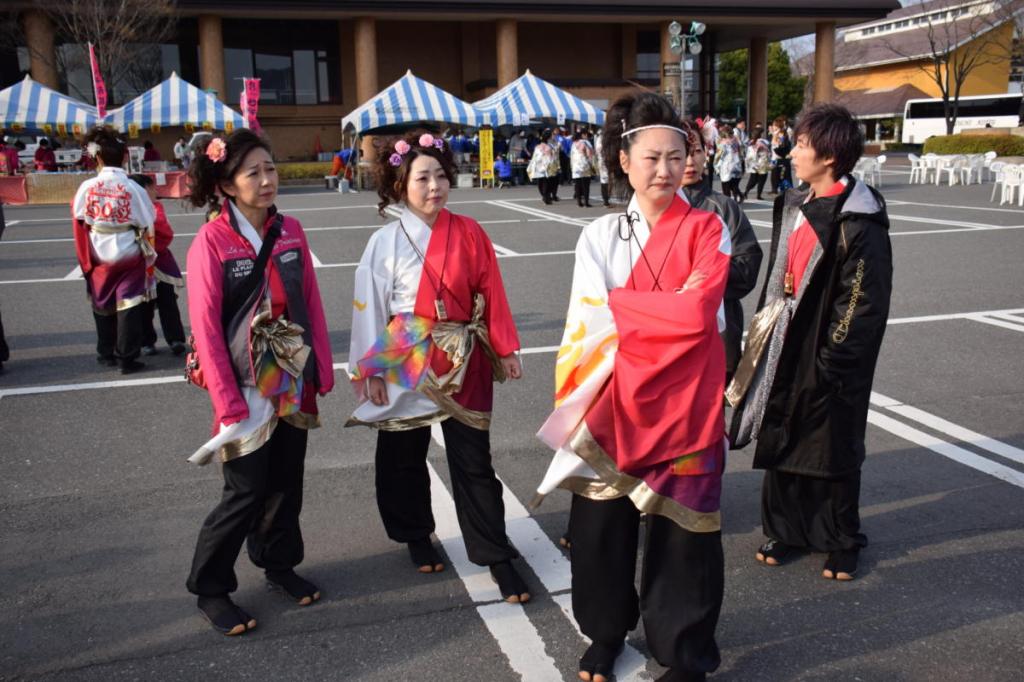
point(93, 149)
point(426, 140)
point(402, 147)
point(217, 150)
point(395, 159)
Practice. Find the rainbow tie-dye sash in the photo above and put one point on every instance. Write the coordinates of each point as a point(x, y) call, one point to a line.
point(401, 354)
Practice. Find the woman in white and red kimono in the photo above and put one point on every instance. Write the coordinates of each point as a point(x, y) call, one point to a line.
point(431, 332)
point(638, 424)
point(113, 228)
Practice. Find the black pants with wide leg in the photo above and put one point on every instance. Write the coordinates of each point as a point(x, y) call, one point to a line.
point(681, 586)
point(403, 489)
point(166, 304)
point(119, 334)
point(818, 514)
point(260, 506)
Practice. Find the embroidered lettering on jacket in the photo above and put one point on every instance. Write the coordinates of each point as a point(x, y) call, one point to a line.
point(843, 330)
point(289, 257)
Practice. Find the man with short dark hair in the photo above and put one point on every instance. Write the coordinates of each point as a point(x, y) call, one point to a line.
point(803, 385)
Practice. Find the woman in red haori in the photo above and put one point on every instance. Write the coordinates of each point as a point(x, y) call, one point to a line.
point(431, 332)
point(638, 425)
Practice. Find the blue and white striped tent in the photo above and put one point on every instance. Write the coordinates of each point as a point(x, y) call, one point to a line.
point(33, 107)
point(532, 97)
point(410, 100)
point(176, 102)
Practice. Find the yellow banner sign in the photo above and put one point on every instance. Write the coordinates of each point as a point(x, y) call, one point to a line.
point(486, 154)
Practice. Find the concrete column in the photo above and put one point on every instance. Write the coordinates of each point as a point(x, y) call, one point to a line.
point(39, 38)
point(757, 83)
point(507, 39)
point(365, 44)
point(470, 37)
point(211, 55)
point(824, 60)
point(669, 84)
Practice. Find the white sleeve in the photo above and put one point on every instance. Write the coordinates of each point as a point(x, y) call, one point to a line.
point(370, 299)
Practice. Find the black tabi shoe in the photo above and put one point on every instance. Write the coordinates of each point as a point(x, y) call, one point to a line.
point(225, 617)
point(289, 582)
point(106, 361)
point(774, 550)
point(149, 350)
point(424, 556)
point(673, 675)
point(132, 366)
point(843, 561)
point(555, 199)
point(599, 659)
point(178, 348)
point(511, 585)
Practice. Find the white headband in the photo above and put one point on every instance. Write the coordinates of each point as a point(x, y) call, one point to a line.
point(626, 133)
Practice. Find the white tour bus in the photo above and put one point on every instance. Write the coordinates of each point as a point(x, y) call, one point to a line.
point(923, 118)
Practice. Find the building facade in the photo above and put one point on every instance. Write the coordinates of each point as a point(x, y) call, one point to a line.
point(319, 59)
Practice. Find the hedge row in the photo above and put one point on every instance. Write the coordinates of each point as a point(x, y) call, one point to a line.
point(1003, 145)
point(303, 170)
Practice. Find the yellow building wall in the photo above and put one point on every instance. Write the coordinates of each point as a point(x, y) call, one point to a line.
point(986, 79)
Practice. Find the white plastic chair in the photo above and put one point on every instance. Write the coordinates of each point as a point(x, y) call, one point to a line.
point(996, 168)
point(989, 158)
point(917, 168)
point(973, 167)
point(879, 162)
point(952, 166)
point(1011, 184)
point(931, 162)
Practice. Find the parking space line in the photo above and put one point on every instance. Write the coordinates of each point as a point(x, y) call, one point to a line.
point(948, 428)
point(630, 664)
point(316, 261)
point(74, 274)
point(539, 213)
point(897, 202)
point(953, 452)
point(996, 322)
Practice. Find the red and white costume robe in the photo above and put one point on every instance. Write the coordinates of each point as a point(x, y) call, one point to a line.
point(166, 266)
point(113, 227)
point(390, 280)
point(641, 369)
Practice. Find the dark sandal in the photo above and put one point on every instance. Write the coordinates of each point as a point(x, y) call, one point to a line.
point(774, 550)
point(425, 556)
point(225, 617)
point(511, 585)
point(841, 561)
point(289, 582)
point(599, 659)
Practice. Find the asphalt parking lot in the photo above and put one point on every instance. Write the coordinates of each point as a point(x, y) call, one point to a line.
point(101, 509)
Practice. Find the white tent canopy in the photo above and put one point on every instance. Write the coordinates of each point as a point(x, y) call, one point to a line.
point(176, 102)
point(34, 107)
point(531, 97)
point(410, 100)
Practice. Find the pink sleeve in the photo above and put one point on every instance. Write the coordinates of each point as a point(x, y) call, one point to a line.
point(205, 298)
point(500, 325)
point(317, 320)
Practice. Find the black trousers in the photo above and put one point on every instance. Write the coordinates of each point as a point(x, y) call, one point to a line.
point(170, 318)
point(605, 194)
point(5, 353)
point(681, 585)
point(758, 180)
point(565, 168)
point(403, 489)
point(818, 514)
point(731, 188)
point(119, 334)
point(582, 191)
point(548, 188)
point(260, 506)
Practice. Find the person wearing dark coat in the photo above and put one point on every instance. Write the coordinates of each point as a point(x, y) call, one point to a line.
point(745, 261)
point(803, 385)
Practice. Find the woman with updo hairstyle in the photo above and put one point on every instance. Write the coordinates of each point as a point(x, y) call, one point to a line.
point(431, 333)
point(545, 167)
point(261, 343)
point(638, 425)
point(113, 228)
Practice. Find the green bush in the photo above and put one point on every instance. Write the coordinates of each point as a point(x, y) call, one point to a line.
point(303, 170)
point(1003, 145)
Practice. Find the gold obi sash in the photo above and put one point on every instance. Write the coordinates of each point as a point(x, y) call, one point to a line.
point(762, 325)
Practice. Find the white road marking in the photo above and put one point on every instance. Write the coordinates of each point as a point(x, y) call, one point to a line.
point(952, 316)
point(953, 452)
point(949, 428)
point(511, 628)
point(11, 223)
point(316, 261)
point(628, 666)
point(539, 213)
point(74, 274)
point(996, 322)
point(993, 209)
point(503, 251)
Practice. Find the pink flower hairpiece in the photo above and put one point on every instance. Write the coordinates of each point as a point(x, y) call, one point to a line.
point(402, 148)
point(217, 150)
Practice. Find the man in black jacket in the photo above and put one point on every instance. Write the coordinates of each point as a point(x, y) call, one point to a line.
point(803, 386)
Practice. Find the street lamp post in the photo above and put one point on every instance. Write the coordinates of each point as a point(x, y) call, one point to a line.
point(681, 44)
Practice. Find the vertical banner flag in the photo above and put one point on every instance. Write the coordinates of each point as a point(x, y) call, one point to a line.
point(98, 87)
point(250, 102)
point(486, 154)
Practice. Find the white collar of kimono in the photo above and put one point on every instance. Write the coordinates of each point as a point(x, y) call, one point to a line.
point(245, 227)
point(634, 208)
point(413, 225)
point(115, 170)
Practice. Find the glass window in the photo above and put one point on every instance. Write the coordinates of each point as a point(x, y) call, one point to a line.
point(323, 77)
point(648, 54)
point(275, 74)
point(305, 77)
point(237, 65)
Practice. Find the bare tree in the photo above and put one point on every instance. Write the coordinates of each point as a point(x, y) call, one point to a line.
point(961, 37)
point(126, 34)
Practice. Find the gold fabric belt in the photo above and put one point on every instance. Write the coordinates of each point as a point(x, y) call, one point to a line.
point(147, 248)
point(282, 338)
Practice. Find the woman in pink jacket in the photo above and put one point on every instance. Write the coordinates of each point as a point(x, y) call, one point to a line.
point(264, 355)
